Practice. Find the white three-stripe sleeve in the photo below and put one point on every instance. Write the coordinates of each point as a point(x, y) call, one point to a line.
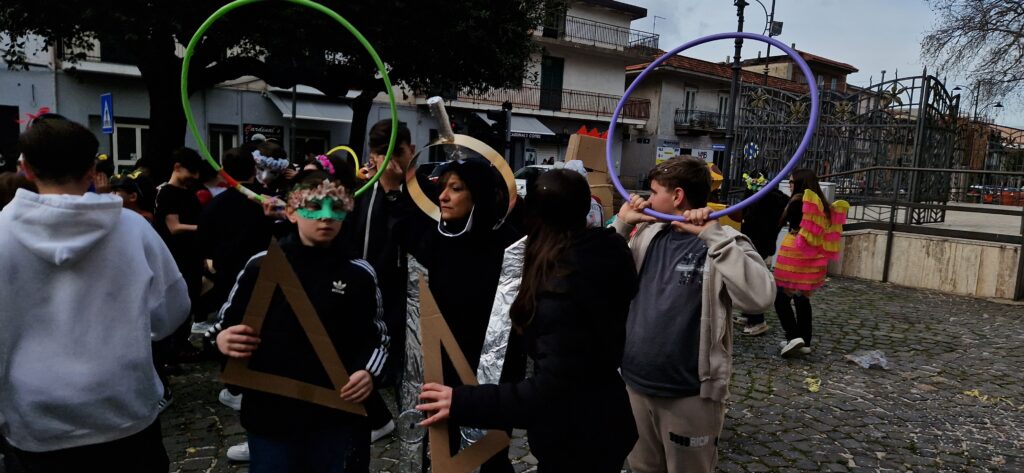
point(375, 365)
point(211, 333)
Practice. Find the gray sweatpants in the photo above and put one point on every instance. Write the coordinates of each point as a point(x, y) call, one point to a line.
point(676, 434)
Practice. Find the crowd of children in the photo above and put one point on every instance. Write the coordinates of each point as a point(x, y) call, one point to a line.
point(628, 327)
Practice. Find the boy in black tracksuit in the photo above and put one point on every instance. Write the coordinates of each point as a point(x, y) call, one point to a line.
point(288, 435)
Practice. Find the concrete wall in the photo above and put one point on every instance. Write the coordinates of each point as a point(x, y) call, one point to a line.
point(967, 267)
point(27, 90)
point(667, 92)
point(598, 74)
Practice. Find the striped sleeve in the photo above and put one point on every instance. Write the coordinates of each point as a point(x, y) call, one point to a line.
point(235, 305)
point(375, 365)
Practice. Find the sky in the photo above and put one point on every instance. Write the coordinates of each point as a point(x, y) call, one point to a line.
point(871, 35)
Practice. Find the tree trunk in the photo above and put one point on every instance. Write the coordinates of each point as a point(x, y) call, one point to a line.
point(360, 115)
point(166, 118)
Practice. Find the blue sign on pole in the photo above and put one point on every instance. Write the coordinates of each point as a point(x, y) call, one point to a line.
point(107, 112)
point(718, 147)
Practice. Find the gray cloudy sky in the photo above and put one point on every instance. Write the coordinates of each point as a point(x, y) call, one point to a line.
point(871, 35)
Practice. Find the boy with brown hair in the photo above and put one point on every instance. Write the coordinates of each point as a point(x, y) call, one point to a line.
point(678, 356)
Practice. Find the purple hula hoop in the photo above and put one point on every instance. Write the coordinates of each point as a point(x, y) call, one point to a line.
point(804, 143)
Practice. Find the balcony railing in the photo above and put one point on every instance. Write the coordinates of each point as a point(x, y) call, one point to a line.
point(532, 97)
point(581, 30)
point(691, 119)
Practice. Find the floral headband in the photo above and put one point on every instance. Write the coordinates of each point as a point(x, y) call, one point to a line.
point(755, 183)
point(325, 163)
point(272, 164)
point(299, 197)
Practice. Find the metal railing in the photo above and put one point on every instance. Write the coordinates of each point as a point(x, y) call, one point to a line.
point(532, 97)
point(880, 199)
point(583, 30)
point(699, 119)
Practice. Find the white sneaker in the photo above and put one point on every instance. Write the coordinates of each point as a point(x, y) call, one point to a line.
point(739, 319)
point(230, 400)
point(239, 453)
point(755, 330)
point(382, 432)
point(792, 347)
point(805, 350)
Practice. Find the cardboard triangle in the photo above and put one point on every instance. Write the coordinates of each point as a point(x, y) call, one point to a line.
point(436, 335)
point(275, 272)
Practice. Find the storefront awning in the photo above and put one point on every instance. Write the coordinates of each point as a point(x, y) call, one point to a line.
point(307, 109)
point(523, 127)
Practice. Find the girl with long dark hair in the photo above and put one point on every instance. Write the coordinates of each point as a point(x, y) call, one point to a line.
point(571, 308)
point(815, 228)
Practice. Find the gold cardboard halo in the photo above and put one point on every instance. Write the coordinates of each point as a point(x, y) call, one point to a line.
point(429, 207)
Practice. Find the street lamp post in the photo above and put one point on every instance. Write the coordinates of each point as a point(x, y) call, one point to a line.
point(734, 92)
point(976, 92)
point(770, 29)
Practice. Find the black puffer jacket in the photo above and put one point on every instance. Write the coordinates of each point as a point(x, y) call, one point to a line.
point(576, 401)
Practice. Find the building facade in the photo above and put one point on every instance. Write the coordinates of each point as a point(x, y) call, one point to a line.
point(689, 111)
point(574, 80)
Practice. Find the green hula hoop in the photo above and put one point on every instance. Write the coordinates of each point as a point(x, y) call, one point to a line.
point(187, 60)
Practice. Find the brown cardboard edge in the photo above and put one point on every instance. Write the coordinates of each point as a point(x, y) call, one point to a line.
point(275, 271)
point(435, 335)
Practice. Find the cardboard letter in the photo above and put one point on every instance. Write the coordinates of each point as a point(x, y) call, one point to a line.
point(435, 335)
point(276, 272)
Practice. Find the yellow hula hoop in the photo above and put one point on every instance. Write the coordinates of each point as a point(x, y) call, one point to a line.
point(351, 152)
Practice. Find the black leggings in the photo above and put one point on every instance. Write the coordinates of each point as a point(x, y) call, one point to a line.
point(796, 326)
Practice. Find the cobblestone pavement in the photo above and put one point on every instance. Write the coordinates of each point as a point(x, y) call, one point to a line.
point(952, 400)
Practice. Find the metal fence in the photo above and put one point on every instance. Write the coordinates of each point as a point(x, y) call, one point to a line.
point(891, 209)
point(586, 31)
point(902, 122)
point(699, 119)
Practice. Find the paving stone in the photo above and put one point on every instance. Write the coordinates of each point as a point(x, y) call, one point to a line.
point(913, 417)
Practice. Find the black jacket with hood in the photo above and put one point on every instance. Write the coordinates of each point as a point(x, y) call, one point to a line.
point(575, 402)
point(464, 269)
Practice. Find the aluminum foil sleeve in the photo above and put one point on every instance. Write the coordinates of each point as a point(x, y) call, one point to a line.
point(492, 357)
point(444, 124)
point(412, 453)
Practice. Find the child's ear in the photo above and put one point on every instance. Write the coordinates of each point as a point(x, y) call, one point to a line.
point(90, 175)
point(292, 215)
point(678, 197)
point(30, 174)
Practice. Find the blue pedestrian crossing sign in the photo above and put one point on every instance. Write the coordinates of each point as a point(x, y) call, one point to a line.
point(751, 150)
point(107, 112)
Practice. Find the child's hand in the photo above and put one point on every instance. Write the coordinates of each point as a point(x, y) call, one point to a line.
point(358, 388)
point(238, 341)
point(631, 211)
point(441, 397)
point(696, 221)
point(274, 207)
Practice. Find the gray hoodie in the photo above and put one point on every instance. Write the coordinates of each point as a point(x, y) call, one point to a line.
point(734, 276)
point(88, 286)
